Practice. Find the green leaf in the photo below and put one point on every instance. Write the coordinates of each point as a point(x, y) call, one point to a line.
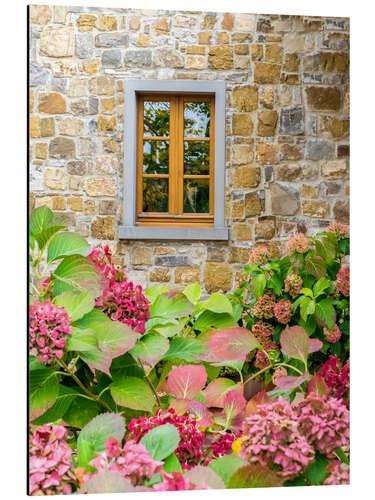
point(40, 219)
point(132, 392)
point(217, 303)
point(153, 292)
point(67, 244)
point(43, 391)
point(125, 364)
point(341, 455)
point(80, 412)
point(276, 284)
point(100, 428)
point(326, 312)
point(226, 466)
point(86, 452)
point(344, 246)
point(321, 285)
point(307, 292)
point(164, 307)
point(161, 441)
point(284, 265)
point(209, 319)
point(150, 348)
point(82, 340)
point(258, 284)
point(325, 249)
point(77, 272)
point(254, 476)
point(76, 304)
point(186, 349)
point(316, 471)
point(171, 463)
point(307, 308)
point(59, 408)
point(316, 266)
point(193, 292)
point(46, 235)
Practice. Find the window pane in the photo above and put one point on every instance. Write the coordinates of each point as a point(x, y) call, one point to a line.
point(197, 119)
point(156, 118)
point(155, 157)
point(155, 195)
point(196, 196)
point(196, 157)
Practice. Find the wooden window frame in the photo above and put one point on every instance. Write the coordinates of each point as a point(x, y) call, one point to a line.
point(175, 226)
point(176, 176)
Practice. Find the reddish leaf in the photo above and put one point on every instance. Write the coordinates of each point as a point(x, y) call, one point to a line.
point(199, 411)
point(185, 382)
point(295, 343)
point(252, 387)
point(232, 344)
point(234, 403)
point(180, 406)
point(216, 390)
point(260, 398)
point(203, 477)
point(315, 345)
point(291, 382)
point(317, 384)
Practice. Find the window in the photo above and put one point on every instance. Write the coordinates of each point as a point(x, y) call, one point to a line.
point(174, 156)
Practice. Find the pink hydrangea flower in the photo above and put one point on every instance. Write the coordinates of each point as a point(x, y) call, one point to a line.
point(283, 311)
point(271, 437)
point(132, 461)
point(293, 284)
point(175, 481)
point(259, 256)
point(324, 422)
point(279, 372)
point(49, 327)
point(263, 307)
point(102, 258)
point(298, 243)
point(50, 466)
point(263, 332)
point(332, 335)
point(336, 376)
point(342, 283)
point(126, 303)
point(338, 473)
point(341, 231)
point(190, 449)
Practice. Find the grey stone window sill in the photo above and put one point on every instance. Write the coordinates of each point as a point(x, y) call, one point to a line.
point(129, 229)
point(173, 233)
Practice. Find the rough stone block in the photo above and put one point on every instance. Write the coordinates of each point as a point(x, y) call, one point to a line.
point(246, 177)
point(141, 256)
point(267, 121)
point(319, 149)
point(284, 199)
point(62, 148)
point(245, 98)
point(217, 277)
point(57, 41)
point(102, 228)
point(51, 103)
point(292, 122)
point(172, 260)
point(187, 274)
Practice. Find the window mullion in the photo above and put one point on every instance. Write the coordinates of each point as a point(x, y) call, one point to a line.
point(173, 155)
point(180, 158)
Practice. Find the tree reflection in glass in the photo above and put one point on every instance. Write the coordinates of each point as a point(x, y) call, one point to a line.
point(156, 118)
point(155, 157)
point(197, 119)
point(196, 196)
point(196, 157)
point(155, 195)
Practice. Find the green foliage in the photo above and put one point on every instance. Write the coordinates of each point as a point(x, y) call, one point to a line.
point(133, 393)
point(316, 471)
point(161, 441)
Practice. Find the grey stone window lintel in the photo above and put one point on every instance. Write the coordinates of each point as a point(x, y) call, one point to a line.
point(129, 229)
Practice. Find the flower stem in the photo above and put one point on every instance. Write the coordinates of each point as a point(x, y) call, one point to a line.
point(150, 383)
point(83, 387)
point(257, 373)
point(292, 367)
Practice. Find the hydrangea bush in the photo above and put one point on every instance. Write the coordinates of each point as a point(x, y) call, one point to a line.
point(160, 390)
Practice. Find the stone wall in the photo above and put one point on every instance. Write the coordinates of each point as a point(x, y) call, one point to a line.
point(287, 126)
